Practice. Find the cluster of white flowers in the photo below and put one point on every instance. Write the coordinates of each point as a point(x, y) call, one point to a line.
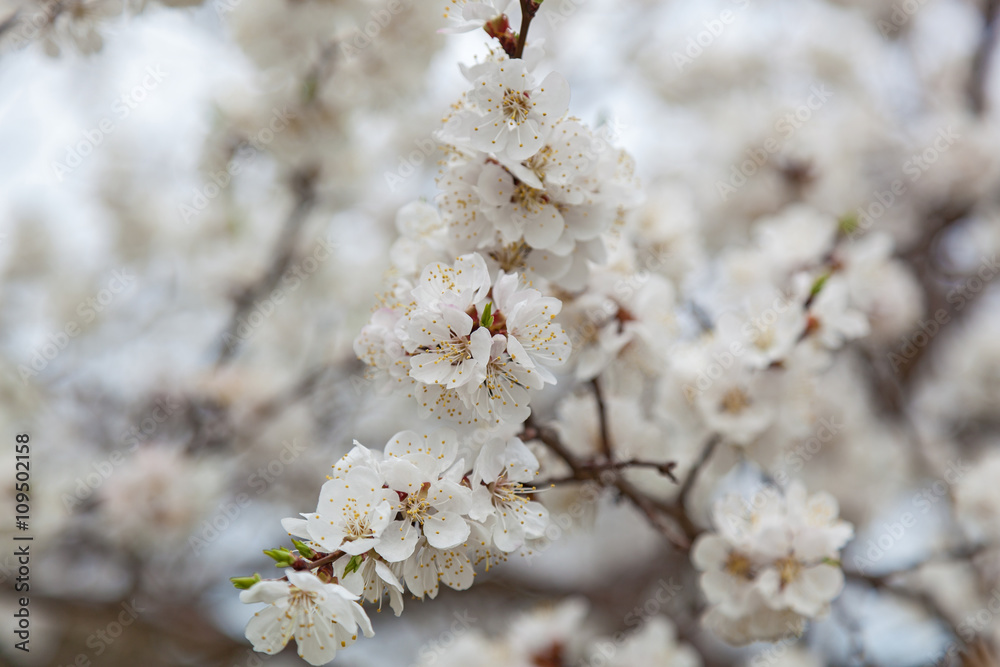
point(773, 563)
point(527, 195)
point(468, 329)
point(559, 635)
point(467, 347)
point(804, 293)
point(412, 514)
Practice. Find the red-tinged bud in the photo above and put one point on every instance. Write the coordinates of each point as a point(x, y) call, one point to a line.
point(497, 26)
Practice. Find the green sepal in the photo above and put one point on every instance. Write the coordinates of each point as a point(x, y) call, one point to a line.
point(353, 564)
point(282, 557)
point(305, 551)
point(244, 583)
point(818, 285)
point(848, 223)
point(487, 319)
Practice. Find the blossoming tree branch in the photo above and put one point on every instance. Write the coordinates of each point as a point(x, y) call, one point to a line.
point(524, 283)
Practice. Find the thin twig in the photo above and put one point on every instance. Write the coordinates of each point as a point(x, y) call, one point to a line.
point(528, 9)
point(655, 512)
point(305, 197)
point(692, 476)
point(982, 57)
point(606, 446)
point(596, 468)
point(884, 583)
point(329, 558)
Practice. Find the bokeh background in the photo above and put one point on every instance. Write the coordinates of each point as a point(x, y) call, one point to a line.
point(197, 202)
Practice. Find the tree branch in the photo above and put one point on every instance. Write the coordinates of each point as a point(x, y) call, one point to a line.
point(602, 420)
point(305, 197)
point(528, 10)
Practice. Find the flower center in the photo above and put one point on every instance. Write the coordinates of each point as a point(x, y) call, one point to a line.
point(763, 338)
point(455, 351)
point(738, 565)
point(788, 569)
point(537, 162)
point(507, 493)
point(515, 106)
point(416, 506)
point(511, 257)
point(735, 401)
point(529, 198)
point(301, 598)
point(357, 526)
point(499, 378)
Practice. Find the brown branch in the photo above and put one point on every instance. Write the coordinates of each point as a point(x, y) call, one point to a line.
point(883, 583)
point(921, 258)
point(596, 468)
point(329, 558)
point(606, 447)
point(305, 197)
point(273, 406)
point(605, 476)
point(981, 59)
point(528, 10)
point(706, 454)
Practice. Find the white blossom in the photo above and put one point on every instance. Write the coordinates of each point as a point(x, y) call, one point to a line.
point(510, 116)
point(323, 617)
point(773, 561)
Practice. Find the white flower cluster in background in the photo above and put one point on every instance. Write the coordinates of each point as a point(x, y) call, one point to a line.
point(559, 635)
point(772, 565)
